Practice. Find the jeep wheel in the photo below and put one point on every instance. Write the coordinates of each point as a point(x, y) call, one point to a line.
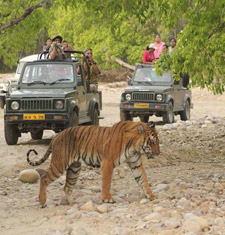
point(125, 116)
point(144, 118)
point(186, 113)
point(95, 120)
point(2, 102)
point(11, 134)
point(168, 116)
point(37, 135)
point(74, 121)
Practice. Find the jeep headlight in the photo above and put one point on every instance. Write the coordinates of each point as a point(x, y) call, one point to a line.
point(7, 84)
point(15, 105)
point(128, 96)
point(159, 97)
point(59, 104)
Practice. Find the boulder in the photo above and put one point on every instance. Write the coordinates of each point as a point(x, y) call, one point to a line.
point(29, 176)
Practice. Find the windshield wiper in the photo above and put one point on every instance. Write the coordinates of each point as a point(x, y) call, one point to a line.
point(59, 80)
point(36, 82)
point(148, 82)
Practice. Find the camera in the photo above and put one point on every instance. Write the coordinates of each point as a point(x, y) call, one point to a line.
point(57, 44)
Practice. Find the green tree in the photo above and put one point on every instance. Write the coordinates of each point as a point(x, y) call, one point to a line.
point(20, 24)
point(200, 48)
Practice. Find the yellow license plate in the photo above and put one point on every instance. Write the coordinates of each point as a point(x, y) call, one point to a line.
point(34, 117)
point(144, 106)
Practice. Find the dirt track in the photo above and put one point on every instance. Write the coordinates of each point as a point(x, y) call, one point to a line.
point(186, 158)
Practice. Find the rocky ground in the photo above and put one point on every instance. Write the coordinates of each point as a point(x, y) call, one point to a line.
point(188, 177)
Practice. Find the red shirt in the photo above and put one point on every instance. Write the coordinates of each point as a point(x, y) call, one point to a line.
point(147, 57)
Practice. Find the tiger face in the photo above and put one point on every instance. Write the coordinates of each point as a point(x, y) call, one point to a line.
point(151, 143)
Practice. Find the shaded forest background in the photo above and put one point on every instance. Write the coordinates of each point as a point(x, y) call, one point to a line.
point(125, 28)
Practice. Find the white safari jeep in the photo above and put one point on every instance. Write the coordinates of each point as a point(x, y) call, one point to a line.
point(11, 83)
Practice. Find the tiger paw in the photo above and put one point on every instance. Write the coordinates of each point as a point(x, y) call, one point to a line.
point(108, 200)
point(153, 196)
point(43, 206)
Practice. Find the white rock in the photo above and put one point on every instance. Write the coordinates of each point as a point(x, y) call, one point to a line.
point(219, 221)
point(188, 123)
point(160, 187)
point(141, 225)
point(120, 210)
point(183, 185)
point(119, 231)
point(72, 210)
point(183, 202)
point(192, 221)
point(204, 126)
point(181, 128)
point(159, 209)
point(203, 222)
point(79, 231)
point(188, 215)
point(58, 232)
point(172, 223)
point(29, 176)
point(144, 201)
point(153, 216)
point(191, 226)
point(89, 206)
point(103, 208)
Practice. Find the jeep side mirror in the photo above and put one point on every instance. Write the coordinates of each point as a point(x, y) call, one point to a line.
point(129, 81)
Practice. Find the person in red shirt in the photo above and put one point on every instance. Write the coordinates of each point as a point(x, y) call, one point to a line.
point(148, 56)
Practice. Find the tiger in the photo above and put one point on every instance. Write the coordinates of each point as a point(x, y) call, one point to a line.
point(97, 146)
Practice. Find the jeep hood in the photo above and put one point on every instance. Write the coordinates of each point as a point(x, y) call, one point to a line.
point(38, 93)
point(154, 89)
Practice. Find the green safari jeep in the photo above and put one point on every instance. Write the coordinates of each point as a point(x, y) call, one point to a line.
point(51, 95)
point(149, 94)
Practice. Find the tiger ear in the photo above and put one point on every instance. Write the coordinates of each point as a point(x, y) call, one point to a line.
point(151, 124)
point(140, 130)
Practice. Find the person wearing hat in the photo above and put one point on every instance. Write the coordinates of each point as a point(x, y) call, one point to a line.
point(56, 51)
point(148, 56)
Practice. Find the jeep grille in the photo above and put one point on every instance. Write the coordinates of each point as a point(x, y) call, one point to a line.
point(36, 104)
point(143, 96)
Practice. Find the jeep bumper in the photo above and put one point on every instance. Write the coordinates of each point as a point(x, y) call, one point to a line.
point(143, 107)
point(51, 121)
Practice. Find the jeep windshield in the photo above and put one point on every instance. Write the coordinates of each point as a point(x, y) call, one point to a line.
point(147, 75)
point(47, 74)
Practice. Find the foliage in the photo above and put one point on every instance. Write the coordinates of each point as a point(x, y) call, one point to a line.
point(200, 48)
point(126, 27)
point(20, 38)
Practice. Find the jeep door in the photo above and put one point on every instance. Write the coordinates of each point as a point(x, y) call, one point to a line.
point(179, 95)
point(81, 90)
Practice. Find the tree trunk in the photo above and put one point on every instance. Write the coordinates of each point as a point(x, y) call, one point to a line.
point(122, 63)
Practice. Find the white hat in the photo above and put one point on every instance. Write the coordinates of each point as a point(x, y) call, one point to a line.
point(152, 45)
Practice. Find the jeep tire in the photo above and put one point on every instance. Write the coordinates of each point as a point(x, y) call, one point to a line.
point(95, 119)
point(168, 116)
point(186, 113)
point(144, 118)
point(125, 116)
point(11, 134)
point(37, 135)
point(2, 102)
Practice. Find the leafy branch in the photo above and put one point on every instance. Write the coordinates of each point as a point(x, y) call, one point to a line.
point(27, 12)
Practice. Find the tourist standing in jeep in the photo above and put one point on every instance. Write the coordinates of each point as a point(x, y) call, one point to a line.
point(94, 70)
point(56, 51)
